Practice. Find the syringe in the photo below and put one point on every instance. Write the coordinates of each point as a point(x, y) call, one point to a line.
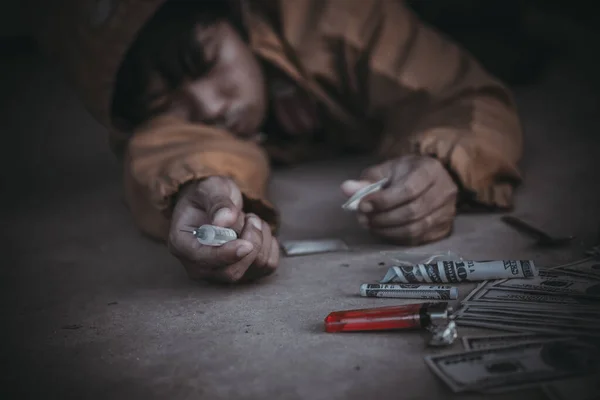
point(211, 235)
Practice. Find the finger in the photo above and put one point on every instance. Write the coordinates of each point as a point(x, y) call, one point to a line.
point(401, 191)
point(216, 197)
point(273, 261)
point(414, 233)
point(265, 248)
point(221, 210)
point(206, 261)
point(377, 172)
point(271, 265)
point(186, 215)
point(350, 187)
point(252, 234)
point(413, 211)
point(186, 247)
point(438, 232)
point(238, 226)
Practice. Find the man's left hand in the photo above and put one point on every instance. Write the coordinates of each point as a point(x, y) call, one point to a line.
point(418, 204)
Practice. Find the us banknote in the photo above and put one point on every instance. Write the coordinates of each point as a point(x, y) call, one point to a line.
point(524, 327)
point(588, 268)
point(460, 271)
point(513, 367)
point(504, 339)
point(561, 285)
point(533, 308)
point(484, 294)
point(531, 319)
point(354, 201)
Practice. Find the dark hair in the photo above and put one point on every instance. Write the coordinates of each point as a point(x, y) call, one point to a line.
point(166, 45)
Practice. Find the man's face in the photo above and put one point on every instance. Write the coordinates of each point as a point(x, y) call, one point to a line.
point(230, 92)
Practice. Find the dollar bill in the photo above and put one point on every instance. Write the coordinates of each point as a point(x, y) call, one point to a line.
point(354, 201)
point(553, 285)
point(460, 271)
point(504, 339)
point(533, 319)
point(587, 268)
point(580, 388)
point(484, 294)
point(517, 366)
point(523, 327)
point(409, 291)
point(539, 310)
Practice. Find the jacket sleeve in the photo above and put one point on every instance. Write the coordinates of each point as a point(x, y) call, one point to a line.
point(166, 153)
point(433, 98)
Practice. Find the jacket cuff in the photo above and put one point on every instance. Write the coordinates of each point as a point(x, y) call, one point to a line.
point(166, 154)
point(484, 175)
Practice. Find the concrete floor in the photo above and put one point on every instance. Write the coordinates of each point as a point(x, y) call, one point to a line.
point(91, 309)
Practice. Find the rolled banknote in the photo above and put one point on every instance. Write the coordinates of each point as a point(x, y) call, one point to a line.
point(409, 291)
point(461, 271)
point(354, 201)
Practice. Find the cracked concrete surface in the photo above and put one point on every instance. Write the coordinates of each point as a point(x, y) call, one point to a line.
point(91, 309)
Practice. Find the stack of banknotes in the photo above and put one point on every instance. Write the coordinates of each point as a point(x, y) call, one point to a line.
point(554, 318)
point(564, 300)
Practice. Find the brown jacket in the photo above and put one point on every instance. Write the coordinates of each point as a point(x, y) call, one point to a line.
point(387, 82)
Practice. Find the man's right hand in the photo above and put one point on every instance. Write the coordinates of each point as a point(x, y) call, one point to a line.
point(218, 201)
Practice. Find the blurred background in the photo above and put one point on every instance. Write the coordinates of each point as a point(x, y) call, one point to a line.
point(506, 35)
point(514, 39)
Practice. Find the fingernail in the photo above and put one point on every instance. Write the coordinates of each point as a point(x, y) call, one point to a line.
point(366, 207)
point(223, 213)
point(244, 250)
point(350, 185)
point(256, 223)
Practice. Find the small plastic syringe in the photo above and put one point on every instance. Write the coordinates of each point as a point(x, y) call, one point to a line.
point(211, 235)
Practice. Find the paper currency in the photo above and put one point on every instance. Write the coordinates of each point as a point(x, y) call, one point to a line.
point(538, 310)
point(305, 247)
point(587, 268)
point(531, 319)
point(483, 294)
point(581, 388)
point(518, 326)
point(504, 339)
point(517, 366)
point(552, 285)
point(354, 201)
point(409, 291)
point(460, 271)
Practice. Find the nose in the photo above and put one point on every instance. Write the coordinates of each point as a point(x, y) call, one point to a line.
point(209, 105)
